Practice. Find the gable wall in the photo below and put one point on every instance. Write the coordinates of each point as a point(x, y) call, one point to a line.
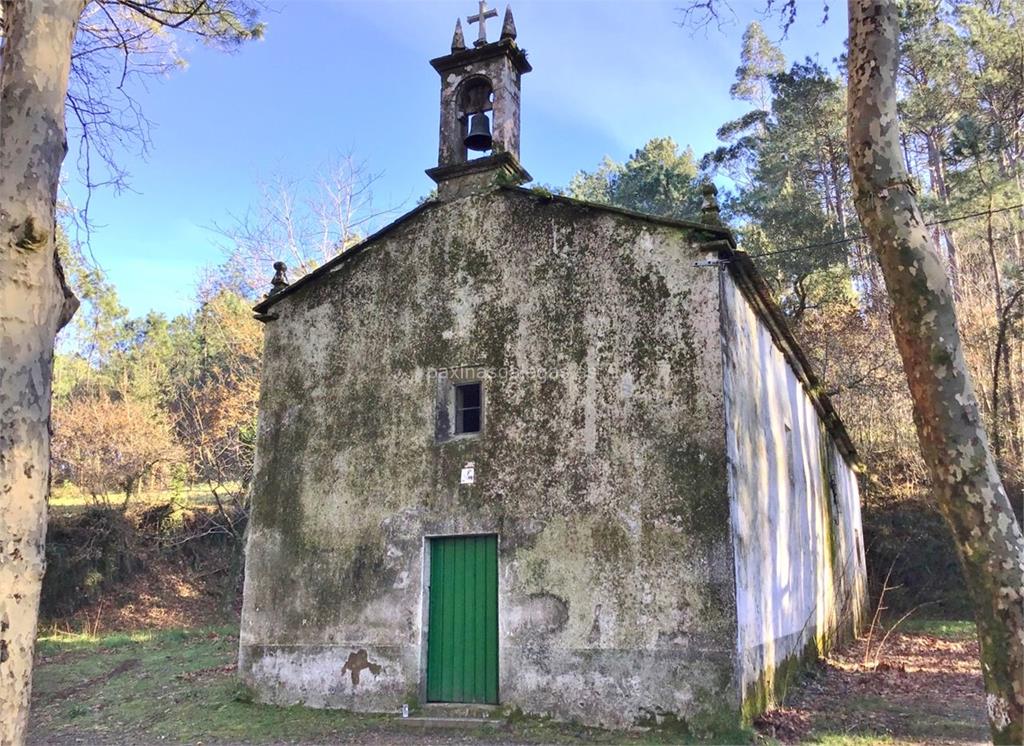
point(800, 577)
point(601, 468)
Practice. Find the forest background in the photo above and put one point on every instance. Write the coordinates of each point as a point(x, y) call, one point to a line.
point(151, 411)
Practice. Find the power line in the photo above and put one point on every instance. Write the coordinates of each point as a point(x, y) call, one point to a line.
point(841, 241)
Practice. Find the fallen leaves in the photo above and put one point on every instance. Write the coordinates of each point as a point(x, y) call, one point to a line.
point(921, 689)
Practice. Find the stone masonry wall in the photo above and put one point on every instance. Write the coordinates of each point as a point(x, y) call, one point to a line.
point(604, 476)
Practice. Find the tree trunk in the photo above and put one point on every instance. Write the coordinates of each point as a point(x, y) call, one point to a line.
point(952, 437)
point(937, 169)
point(34, 304)
point(835, 167)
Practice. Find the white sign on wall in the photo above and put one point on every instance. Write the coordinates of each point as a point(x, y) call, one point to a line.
point(468, 473)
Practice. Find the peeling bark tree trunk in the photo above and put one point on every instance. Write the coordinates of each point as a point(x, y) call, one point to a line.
point(34, 304)
point(965, 482)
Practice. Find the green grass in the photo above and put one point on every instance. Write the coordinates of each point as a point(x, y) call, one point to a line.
point(868, 719)
point(851, 739)
point(169, 686)
point(916, 720)
point(176, 686)
point(947, 629)
point(67, 499)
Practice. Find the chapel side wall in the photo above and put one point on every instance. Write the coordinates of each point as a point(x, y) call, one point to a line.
point(603, 478)
point(799, 562)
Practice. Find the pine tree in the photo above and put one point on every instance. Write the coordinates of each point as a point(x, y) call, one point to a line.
point(760, 59)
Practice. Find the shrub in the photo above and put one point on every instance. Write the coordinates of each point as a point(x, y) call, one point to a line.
point(912, 538)
point(105, 444)
point(87, 553)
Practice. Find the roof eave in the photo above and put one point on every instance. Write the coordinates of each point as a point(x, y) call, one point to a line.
point(756, 290)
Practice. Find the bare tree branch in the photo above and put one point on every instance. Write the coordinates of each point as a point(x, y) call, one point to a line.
point(301, 222)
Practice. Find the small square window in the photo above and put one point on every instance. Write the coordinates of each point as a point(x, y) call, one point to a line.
point(459, 407)
point(468, 407)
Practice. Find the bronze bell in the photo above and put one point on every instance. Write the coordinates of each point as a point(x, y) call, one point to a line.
point(479, 137)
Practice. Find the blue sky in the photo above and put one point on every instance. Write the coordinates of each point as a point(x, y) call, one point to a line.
point(333, 77)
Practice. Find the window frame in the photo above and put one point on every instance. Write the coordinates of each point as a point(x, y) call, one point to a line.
point(460, 409)
point(446, 409)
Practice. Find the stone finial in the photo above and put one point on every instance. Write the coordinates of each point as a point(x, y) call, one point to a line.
point(458, 40)
point(709, 210)
point(508, 26)
point(280, 281)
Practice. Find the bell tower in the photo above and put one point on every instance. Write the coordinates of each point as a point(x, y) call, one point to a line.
point(480, 110)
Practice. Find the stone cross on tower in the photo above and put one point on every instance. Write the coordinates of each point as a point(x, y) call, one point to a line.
point(481, 18)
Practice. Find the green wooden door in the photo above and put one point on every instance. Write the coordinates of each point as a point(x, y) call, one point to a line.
point(462, 636)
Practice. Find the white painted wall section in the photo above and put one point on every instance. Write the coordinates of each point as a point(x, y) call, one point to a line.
point(794, 503)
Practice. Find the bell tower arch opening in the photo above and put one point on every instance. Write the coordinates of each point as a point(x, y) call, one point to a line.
point(476, 105)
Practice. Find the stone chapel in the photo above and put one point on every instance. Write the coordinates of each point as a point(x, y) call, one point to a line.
point(525, 452)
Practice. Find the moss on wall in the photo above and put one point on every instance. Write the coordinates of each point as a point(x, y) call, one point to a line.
point(770, 688)
point(600, 465)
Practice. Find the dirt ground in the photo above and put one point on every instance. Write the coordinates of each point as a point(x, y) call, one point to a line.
point(165, 595)
point(923, 685)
